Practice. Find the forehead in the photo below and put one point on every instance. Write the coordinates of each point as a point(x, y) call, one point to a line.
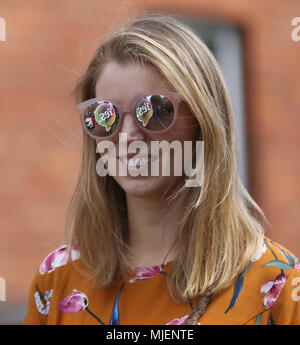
point(124, 82)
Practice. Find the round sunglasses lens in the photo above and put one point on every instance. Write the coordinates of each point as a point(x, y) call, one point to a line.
point(155, 112)
point(101, 119)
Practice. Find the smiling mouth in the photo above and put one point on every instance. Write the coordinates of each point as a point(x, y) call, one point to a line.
point(137, 162)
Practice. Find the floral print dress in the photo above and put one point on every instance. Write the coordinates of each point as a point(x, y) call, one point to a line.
point(267, 292)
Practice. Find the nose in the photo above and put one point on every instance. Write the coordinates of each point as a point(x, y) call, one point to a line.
point(131, 128)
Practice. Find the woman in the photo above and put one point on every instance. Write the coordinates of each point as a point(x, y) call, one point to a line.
point(147, 249)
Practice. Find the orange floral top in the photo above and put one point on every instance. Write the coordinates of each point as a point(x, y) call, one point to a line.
point(267, 292)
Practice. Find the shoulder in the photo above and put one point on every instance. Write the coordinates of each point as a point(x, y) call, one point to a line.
point(50, 279)
point(272, 269)
point(266, 288)
point(59, 258)
point(276, 262)
point(281, 286)
point(274, 257)
point(58, 267)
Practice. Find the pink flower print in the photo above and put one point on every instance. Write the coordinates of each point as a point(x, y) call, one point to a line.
point(179, 321)
point(74, 252)
point(272, 289)
point(298, 266)
point(259, 252)
point(74, 302)
point(57, 258)
point(146, 272)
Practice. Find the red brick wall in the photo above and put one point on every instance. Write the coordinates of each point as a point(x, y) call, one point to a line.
point(49, 42)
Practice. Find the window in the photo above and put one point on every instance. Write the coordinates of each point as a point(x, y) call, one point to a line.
point(224, 41)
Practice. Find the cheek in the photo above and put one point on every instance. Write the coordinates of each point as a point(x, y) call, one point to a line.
point(184, 131)
point(106, 146)
point(107, 153)
point(186, 127)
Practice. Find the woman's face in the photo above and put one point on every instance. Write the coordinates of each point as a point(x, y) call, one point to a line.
point(123, 83)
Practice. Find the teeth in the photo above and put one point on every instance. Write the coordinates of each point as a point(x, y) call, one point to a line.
point(137, 162)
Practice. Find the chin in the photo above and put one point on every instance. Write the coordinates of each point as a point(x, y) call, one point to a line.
point(148, 187)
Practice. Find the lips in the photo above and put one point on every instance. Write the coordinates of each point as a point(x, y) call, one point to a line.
point(137, 162)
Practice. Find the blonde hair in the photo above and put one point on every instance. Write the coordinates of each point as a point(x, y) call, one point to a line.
point(222, 226)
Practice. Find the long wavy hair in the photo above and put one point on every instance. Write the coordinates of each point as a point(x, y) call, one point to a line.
point(222, 227)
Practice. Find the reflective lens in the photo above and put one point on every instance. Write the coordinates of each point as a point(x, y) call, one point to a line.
point(101, 118)
point(155, 112)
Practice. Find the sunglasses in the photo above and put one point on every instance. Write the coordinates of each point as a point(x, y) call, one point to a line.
point(154, 112)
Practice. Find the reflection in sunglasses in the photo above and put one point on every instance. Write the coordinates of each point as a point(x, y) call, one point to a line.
point(153, 112)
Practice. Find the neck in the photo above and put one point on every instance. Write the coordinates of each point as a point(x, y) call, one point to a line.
point(151, 231)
